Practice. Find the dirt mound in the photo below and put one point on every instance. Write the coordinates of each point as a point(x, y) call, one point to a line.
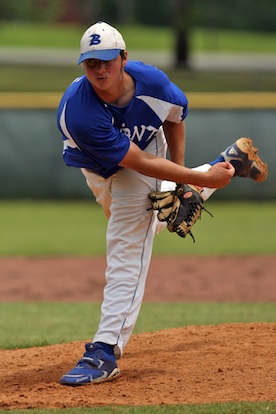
point(203, 364)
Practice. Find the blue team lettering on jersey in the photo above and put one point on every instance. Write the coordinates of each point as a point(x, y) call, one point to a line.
point(97, 136)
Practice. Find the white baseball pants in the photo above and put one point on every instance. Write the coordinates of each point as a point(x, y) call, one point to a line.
point(131, 228)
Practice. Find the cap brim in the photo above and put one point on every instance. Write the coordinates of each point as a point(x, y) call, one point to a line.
point(108, 54)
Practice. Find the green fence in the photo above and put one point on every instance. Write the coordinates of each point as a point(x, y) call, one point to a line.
point(31, 164)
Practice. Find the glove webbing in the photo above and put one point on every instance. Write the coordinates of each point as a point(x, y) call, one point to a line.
point(194, 207)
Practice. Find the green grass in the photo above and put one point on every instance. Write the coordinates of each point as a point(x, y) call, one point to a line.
point(29, 78)
point(223, 81)
point(224, 408)
point(40, 35)
point(137, 38)
point(51, 228)
point(24, 325)
point(232, 41)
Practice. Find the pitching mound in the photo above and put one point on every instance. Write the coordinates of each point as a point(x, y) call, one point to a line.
point(200, 364)
point(233, 362)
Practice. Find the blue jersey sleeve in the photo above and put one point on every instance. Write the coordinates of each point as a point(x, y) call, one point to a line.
point(155, 88)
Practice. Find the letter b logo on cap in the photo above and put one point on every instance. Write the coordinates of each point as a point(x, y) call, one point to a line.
point(95, 39)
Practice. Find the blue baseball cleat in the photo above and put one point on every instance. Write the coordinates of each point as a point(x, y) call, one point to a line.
point(243, 156)
point(95, 366)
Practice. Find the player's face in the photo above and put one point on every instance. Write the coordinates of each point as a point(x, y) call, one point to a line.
point(103, 74)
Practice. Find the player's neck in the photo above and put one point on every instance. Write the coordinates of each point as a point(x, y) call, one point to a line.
point(121, 93)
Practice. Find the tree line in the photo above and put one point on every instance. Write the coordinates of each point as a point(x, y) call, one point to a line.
point(234, 14)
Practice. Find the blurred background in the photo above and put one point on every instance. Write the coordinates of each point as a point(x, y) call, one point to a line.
point(221, 54)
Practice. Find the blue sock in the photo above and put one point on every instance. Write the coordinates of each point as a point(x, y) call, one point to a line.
point(219, 159)
point(107, 348)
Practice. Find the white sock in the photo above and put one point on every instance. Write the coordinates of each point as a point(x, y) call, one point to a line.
point(167, 185)
point(205, 193)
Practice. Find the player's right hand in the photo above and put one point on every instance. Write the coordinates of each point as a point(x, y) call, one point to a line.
point(220, 175)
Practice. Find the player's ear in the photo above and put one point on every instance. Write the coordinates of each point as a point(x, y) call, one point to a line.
point(124, 54)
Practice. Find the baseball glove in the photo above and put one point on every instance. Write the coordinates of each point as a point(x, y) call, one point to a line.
point(180, 208)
